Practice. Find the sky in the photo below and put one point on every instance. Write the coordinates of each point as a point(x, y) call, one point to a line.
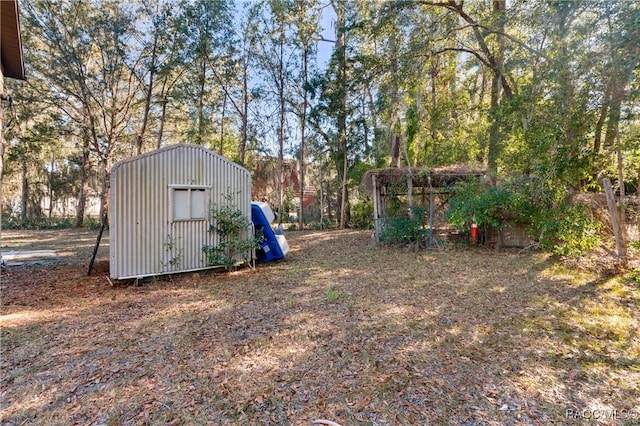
point(327, 23)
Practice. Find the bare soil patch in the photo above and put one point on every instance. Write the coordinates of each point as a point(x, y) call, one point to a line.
point(342, 329)
point(71, 246)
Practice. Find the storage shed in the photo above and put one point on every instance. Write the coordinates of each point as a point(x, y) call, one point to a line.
point(160, 209)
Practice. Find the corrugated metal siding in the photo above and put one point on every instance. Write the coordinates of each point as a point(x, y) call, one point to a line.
point(144, 240)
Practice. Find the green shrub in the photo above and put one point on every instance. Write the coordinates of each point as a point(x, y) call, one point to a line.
point(493, 206)
point(13, 220)
point(405, 229)
point(567, 230)
point(362, 214)
point(332, 294)
point(550, 218)
point(230, 224)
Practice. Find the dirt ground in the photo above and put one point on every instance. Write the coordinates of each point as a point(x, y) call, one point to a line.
point(71, 246)
point(342, 329)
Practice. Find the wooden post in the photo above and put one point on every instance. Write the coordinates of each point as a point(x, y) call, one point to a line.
point(431, 212)
point(376, 209)
point(410, 189)
point(615, 223)
point(95, 249)
point(321, 200)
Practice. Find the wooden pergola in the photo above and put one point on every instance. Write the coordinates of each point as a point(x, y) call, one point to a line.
point(410, 187)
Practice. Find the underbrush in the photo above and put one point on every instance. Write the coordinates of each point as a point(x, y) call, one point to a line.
point(551, 219)
point(11, 220)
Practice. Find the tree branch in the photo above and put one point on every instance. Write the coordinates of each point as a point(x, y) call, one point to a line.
point(463, 50)
point(224, 87)
point(490, 59)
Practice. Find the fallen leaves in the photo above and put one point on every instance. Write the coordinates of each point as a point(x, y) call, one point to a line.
point(459, 337)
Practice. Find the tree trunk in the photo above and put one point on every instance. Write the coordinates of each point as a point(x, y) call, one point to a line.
point(621, 246)
point(342, 108)
point(395, 147)
point(24, 198)
point(50, 188)
point(163, 116)
point(202, 82)
point(303, 124)
point(622, 201)
point(321, 200)
point(84, 183)
point(604, 109)
point(104, 193)
point(245, 112)
point(494, 131)
point(617, 94)
point(281, 100)
point(224, 111)
point(365, 128)
point(497, 80)
point(393, 125)
point(433, 72)
point(148, 96)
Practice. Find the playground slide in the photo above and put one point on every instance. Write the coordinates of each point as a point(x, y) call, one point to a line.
point(272, 246)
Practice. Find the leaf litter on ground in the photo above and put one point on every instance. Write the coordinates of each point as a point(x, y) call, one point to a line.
point(343, 329)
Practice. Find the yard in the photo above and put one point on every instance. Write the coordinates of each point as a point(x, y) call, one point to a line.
point(342, 329)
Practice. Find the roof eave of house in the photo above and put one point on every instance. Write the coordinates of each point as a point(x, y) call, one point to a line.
point(11, 41)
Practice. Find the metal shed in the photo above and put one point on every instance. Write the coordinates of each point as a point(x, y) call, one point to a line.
point(160, 209)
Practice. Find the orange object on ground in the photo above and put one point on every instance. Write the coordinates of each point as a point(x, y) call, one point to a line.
point(474, 232)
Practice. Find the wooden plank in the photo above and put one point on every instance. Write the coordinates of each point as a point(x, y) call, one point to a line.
point(95, 248)
point(615, 222)
point(376, 209)
point(431, 213)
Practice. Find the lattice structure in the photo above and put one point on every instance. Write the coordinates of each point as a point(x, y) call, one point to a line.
point(417, 195)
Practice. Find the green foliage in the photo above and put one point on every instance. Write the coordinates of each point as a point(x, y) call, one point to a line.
point(397, 74)
point(171, 247)
point(231, 225)
point(362, 214)
point(227, 251)
point(550, 218)
point(229, 221)
point(288, 203)
point(92, 222)
point(332, 294)
point(493, 207)
point(13, 220)
point(291, 302)
point(567, 230)
point(405, 229)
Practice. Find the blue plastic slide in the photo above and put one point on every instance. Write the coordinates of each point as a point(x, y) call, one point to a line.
point(272, 246)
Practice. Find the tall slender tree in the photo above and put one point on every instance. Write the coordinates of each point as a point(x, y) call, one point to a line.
point(306, 18)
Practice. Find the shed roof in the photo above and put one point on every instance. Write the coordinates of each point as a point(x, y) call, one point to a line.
point(174, 147)
point(421, 177)
point(10, 40)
